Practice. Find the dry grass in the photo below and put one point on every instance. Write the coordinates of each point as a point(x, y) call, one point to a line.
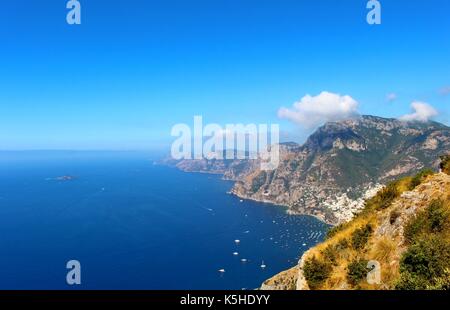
point(383, 249)
point(286, 280)
point(338, 278)
point(386, 249)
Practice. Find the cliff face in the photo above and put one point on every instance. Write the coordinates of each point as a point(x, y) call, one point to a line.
point(343, 163)
point(406, 232)
point(340, 165)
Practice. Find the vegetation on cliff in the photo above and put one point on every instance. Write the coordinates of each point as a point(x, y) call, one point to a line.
point(405, 228)
point(445, 164)
point(426, 262)
point(414, 252)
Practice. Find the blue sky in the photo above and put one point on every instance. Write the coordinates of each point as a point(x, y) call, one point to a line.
point(134, 68)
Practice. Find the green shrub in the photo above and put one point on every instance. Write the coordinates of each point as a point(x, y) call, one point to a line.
point(445, 164)
point(387, 196)
point(425, 264)
point(437, 215)
point(409, 281)
point(432, 220)
point(441, 283)
point(360, 237)
point(383, 199)
point(418, 178)
point(333, 231)
point(356, 271)
point(415, 227)
point(342, 245)
point(316, 272)
point(330, 254)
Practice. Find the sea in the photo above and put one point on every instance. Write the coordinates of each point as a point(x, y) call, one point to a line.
point(135, 224)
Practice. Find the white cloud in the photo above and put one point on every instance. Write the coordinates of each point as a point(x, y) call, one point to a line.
point(422, 112)
point(391, 97)
point(312, 111)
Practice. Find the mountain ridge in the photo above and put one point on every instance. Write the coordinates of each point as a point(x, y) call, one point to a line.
point(339, 166)
point(343, 163)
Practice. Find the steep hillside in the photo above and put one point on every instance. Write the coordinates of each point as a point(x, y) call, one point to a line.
point(405, 228)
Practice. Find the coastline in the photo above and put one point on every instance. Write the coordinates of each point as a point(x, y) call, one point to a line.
point(295, 273)
point(288, 210)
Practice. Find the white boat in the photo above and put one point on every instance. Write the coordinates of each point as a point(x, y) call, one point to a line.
point(244, 260)
point(221, 270)
point(235, 253)
point(263, 265)
point(237, 241)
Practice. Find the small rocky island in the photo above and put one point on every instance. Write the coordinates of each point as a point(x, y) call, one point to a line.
point(65, 178)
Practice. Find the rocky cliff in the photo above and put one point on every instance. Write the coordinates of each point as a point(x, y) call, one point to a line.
point(340, 165)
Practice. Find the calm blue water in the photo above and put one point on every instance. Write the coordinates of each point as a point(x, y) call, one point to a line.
point(134, 225)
